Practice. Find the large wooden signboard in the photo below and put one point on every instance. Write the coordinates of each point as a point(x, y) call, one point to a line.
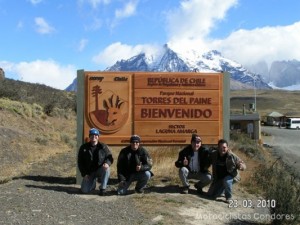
point(163, 108)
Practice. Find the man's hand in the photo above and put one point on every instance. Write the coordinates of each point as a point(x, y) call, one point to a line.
point(241, 165)
point(105, 166)
point(86, 177)
point(138, 167)
point(185, 161)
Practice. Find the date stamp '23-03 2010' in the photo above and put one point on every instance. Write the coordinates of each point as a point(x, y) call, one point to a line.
point(249, 203)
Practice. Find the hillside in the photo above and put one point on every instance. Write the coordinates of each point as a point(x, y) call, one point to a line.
point(36, 121)
point(267, 101)
point(45, 96)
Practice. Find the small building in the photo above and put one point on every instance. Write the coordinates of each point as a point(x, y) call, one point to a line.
point(246, 123)
point(274, 119)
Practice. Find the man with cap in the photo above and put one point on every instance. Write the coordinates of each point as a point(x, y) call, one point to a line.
point(193, 163)
point(134, 164)
point(94, 160)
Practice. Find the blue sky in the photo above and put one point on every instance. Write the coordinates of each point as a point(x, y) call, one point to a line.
point(47, 41)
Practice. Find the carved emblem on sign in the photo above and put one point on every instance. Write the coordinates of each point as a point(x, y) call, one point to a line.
point(107, 110)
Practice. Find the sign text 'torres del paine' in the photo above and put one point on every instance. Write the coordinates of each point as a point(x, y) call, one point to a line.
point(163, 108)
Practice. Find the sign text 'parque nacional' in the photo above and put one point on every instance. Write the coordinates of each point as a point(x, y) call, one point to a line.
point(163, 108)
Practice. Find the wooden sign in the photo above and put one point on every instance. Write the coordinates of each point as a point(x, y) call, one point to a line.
point(163, 108)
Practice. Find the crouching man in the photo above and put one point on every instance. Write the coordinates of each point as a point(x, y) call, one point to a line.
point(225, 166)
point(134, 164)
point(193, 163)
point(94, 160)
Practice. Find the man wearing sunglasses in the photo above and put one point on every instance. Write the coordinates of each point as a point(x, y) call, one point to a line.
point(94, 161)
point(134, 164)
point(193, 163)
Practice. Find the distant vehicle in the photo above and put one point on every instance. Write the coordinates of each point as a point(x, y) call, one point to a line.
point(293, 123)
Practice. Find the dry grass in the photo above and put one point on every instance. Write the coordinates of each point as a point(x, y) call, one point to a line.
point(284, 102)
point(163, 157)
point(26, 140)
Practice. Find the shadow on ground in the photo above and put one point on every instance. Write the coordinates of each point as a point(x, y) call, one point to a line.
point(49, 179)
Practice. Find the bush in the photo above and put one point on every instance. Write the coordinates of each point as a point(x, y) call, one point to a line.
point(244, 143)
point(21, 108)
point(277, 184)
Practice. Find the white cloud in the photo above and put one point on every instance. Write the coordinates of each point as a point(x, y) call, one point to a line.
point(128, 10)
point(82, 44)
point(118, 51)
point(244, 46)
point(200, 17)
point(94, 3)
point(266, 43)
point(47, 72)
point(42, 26)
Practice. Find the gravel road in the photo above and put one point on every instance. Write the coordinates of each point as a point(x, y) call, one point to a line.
point(44, 197)
point(285, 144)
point(25, 202)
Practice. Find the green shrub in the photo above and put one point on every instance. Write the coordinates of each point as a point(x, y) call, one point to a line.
point(21, 108)
point(279, 185)
point(68, 140)
point(41, 140)
point(244, 143)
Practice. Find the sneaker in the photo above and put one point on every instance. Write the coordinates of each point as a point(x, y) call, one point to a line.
point(139, 191)
point(102, 192)
point(185, 190)
point(228, 200)
point(121, 192)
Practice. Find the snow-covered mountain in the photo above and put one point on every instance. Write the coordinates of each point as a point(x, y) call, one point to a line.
point(281, 74)
point(169, 61)
point(285, 73)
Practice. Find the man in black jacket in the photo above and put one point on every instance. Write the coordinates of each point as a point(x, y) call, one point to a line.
point(94, 160)
point(193, 163)
point(134, 164)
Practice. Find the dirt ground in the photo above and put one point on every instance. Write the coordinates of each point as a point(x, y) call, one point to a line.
point(45, 195)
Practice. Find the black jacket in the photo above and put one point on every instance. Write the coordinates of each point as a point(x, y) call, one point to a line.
point(89, 161)
point(128, 159)
point(204, 158)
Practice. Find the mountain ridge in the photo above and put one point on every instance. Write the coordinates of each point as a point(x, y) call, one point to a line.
point(170, 61)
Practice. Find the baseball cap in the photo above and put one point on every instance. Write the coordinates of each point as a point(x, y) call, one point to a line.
point(94, 131)
point(135, 138)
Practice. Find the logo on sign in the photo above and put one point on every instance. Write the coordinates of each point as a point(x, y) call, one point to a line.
point(106, 109)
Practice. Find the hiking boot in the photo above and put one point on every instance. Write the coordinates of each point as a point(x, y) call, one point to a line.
point(139, 191)
point(185, 190)
point(102, 192)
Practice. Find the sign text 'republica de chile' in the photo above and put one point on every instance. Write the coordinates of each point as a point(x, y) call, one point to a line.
point(163, 108)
